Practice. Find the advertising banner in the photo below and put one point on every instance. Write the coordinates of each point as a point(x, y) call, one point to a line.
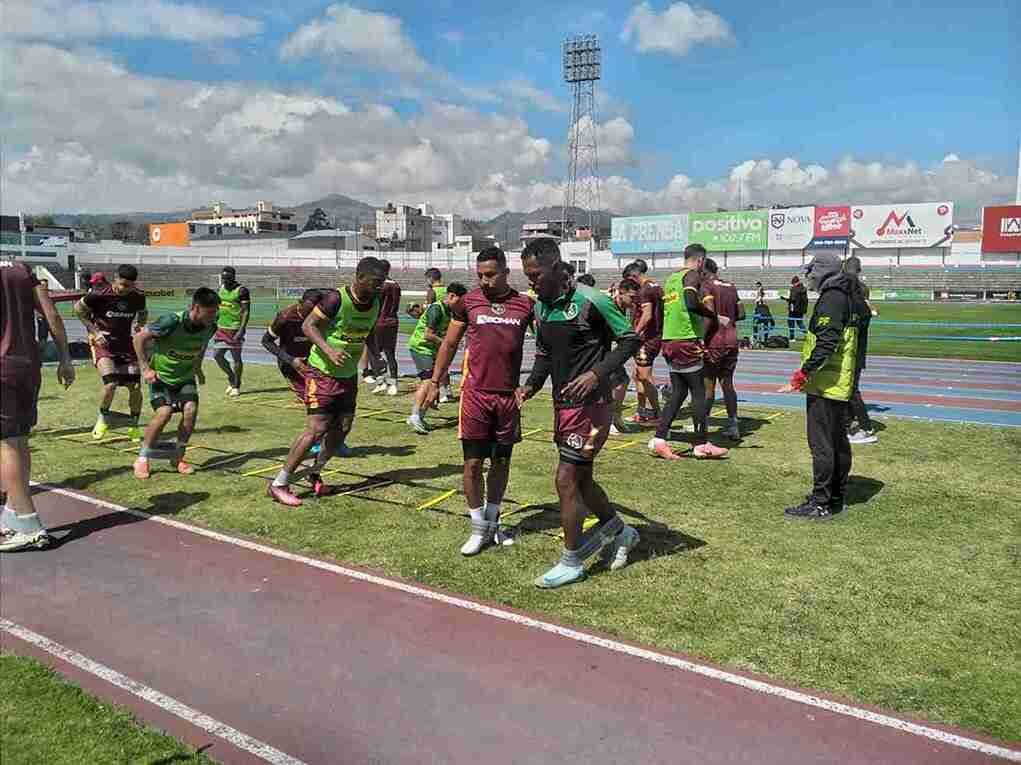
point(907, 295)
point(730, 231)
point(957, 295)
point(649, 233)
point(1003, 294)
point(162, 292)
point(832, 226)
point(1001, 229)
point(908, 225)
point(791, 228)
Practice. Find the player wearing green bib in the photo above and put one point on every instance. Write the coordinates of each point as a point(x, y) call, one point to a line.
point(338, 328)
point(170, 353)
point(683, 315)
point(235, 310)
point(425, 341)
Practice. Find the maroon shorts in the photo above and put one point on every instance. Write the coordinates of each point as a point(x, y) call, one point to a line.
point(581, 431)
point(684, 355)
point(720, 363)
point(227, 338)
point(491, 417)
point(383, 339)
point(334, 396)
point(19, 404)
point(647, 354)
point(295, 381)
point(125, 369)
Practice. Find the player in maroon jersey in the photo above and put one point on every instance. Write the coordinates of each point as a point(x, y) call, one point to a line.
point(647, 320)
point(383, 341)
point(720, 360)
point(21, 295)
point(495, 317)
point(112, 313)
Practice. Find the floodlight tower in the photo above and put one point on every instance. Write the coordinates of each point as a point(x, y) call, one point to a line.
point(583, 66)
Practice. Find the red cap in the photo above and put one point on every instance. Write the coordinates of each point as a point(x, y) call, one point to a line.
point(97, 278)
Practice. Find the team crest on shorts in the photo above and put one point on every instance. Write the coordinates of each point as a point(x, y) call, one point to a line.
point(498, 308)
point(571, 311)
point(575, 441)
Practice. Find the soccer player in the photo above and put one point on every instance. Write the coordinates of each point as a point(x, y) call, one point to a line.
point(624, 295)
point(720, 360)
point(425, 341)
point(286, 342)
point(337, 328)
point(860, 430)
point(434, 288)
point(826, 376)
point(110, 312)
point(684, 352)
point(648, 323)
point(495, 317)
point(235, 310)
point(170, 353)
point(797, 306)
point(21, 295)
point(383, 340)
point(575, 329)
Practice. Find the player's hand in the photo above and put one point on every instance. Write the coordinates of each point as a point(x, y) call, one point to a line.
point(149, 376)
point(337, 358)
point(200, 377)
point(875, 312)
point(299, 366)
point(724, 320)
point(100, 339)
point(65, 374)
point(431, 395)
point(580, 387)
point(788, 388)
point(522, 394)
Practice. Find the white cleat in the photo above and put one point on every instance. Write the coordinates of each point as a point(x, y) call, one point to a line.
point(483, 533)
point(616, 553)
point(370, 380)
point(391, 389)
point(380, 388)
point(234, 392)
point(418, 425)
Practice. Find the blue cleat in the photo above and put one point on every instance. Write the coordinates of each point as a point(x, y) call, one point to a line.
point(343, 450)
point(560, 575)
point(316, 448)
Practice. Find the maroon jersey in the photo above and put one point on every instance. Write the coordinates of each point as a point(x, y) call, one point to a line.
point(725, 303)
point(389, 304)
point(18, 347)
point(650, 292)
point(114, 315)
point(496, 338)
point(286, 328)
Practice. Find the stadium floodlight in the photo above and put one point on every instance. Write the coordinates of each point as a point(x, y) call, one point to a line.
point(583, 67)
point(582, 59)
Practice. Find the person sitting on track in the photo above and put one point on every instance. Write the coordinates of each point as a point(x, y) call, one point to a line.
point(110, 313)
point(170, 353)
point(21, 295)
point(423, 344)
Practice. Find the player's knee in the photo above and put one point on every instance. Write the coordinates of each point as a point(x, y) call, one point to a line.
point(473, 466)
point(567, 479)
point(345, 423)
point(109, 387)
point(190, 409)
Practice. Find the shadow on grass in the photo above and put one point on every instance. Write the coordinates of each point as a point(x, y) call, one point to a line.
point(861, 489)
point(404, 450)
point(657, 539)
point(170, 503)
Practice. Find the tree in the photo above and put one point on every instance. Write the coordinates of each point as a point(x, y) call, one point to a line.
point(317, 221)
point(47, 219)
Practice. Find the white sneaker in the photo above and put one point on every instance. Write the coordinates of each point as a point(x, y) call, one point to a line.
point(863, 437)
point(392, 389)
point(615, 554)
point(418, 424)
point(613, 430)
point(11, 540)
point(381, 388)
point(483, 533)
point(370, 380)
point(234, 392)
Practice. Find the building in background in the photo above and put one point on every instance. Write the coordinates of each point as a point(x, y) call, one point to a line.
point(262, 220)
point(333, 239)
point(185, 233)
point(405, 227)
point(535, 229)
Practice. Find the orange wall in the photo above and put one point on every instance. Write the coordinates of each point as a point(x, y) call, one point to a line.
point(169, 235)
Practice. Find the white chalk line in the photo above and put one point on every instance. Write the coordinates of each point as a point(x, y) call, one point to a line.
point(231, 735)
point(758, 686)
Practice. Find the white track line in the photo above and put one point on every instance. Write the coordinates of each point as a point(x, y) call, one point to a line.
point(166, 703)
point(758, 686)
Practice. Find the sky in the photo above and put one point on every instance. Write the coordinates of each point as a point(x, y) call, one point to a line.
point(128, 105)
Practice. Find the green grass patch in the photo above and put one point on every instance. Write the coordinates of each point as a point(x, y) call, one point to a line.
point(45, 719)
point(909, 602)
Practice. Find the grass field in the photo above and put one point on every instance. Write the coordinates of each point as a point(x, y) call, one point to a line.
point(45, 719)
point(902, 329)
point(909, 602)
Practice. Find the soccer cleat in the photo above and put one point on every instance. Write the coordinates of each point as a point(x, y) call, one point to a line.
point(369, 380)
point(614, 430)
point(643, 419)
point(810, 510)
point(135, 433)
point(283, 495)
point(11, 540)
point(391, 389)
point(342, 450)
point(863, 437)
point(732, 431)
point(228, 389)
point(184, 468)
point(660, 448)
point(615, 554)
point(503, 536)
point(444, 398)
point(380, 388)
point(708, 451)
point(483, 533)
point(560, 575)
point(234, 392)
point(319, 487)
point(141, 468)
point(100, 429)
point(418, 424)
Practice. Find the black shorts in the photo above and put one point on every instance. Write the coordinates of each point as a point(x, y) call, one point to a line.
point(175, 396)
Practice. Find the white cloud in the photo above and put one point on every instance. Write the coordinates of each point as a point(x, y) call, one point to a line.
point(951, 158)
point(676, 30)
point(523, 93)
point(68, 20)
point(365, 38)
point(614, 140)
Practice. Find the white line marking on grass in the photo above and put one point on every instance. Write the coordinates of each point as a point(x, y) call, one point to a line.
point(747, 683)
point(231, 735)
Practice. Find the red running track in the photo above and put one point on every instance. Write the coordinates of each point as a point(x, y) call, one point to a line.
point(333, 665)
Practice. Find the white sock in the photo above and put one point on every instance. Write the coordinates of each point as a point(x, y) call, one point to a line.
point(476, 513)
point(414, 409)
point(283, 479)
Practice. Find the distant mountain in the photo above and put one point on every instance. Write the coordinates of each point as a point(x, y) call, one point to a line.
point(506, 227)
point(344, 212)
